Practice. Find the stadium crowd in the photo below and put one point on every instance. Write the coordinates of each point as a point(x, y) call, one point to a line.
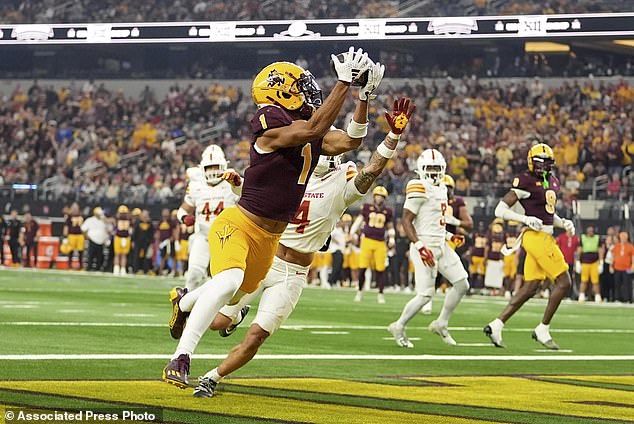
point(100, 145)
point(50, 11)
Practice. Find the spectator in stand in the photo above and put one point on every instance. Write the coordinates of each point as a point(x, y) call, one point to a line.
point(614, 186)
point(96, 230)
point(16, 238)
point(31, 238)
point(607, 276)
point(623, 265)
point(568, 243)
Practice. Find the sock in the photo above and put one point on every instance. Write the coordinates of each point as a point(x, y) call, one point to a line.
point(497, 323)
point(213, 374)
point(187, 302)
point(361, 278)
point(452, 299)
point(116, 269)
point(380, 280)
point(543, 327)
point(323, 276)
point(411, 309)
point(217, 293)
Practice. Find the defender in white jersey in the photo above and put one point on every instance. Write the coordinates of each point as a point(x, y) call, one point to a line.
point(208, 193)
point(424, 224)
point(331, 190)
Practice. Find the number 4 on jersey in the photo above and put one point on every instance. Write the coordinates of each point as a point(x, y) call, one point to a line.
point(207, 211)
point(301, 217)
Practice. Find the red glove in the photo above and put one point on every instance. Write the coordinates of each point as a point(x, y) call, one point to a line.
point(233, 178)
point(458, 240)
point(189, 220)
point(400, 116)
point(427, 256)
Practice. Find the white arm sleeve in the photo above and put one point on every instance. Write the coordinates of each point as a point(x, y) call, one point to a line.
point(504, 211)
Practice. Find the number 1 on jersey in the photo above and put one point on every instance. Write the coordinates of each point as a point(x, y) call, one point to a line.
point(308, 158)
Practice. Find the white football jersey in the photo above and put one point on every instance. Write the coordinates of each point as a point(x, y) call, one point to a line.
point(429, 203)
point(209, 202)
point(325, 200)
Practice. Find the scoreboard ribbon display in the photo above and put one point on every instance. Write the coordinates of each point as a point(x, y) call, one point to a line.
point(523, 26)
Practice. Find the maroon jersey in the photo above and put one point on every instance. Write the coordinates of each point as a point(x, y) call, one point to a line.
point(123, 225)
point(537, 200)
point(275, 182)
point(480, 242)
point(73, 222)
point(376, 219)
point(454, 210)
point(165, 229)
point(30, 231)
point(496, 241)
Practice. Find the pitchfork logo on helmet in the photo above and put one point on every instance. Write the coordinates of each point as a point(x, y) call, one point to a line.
point(287, 85)
point(431, 166)
point(213, 164)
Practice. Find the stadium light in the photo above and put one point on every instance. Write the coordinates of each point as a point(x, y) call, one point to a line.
point(545, 47)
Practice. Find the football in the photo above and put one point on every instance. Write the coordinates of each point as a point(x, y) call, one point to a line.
point(359, 82)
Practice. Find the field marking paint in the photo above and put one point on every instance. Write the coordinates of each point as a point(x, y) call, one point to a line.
point(115, 356)
point(72, 311)
point(330, 332)
point(552, 351)
point(18, 306)
point(476, 344)
point(134, 315)
point(310, 327)
point(409, 338)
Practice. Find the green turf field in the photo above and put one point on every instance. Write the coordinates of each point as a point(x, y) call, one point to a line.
point(89, 342)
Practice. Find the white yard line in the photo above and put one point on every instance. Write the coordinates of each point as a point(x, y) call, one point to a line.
point(306, 327)
point(310, 357)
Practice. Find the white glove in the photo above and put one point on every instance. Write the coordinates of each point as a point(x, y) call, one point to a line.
point(452, 220)
point(600, 267)
point(375, 76)
point(534, 223)
point(569, 226)
point(354, 63)
point(578, 267)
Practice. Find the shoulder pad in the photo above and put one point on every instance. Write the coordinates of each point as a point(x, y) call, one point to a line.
point(268, 117)
point(416, 188)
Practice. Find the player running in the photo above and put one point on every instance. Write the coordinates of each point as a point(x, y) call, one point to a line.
point(425, 225)
point(208, 193)
point(330, 191)
point(289, 132)
point(376, 219)
point(536, 193)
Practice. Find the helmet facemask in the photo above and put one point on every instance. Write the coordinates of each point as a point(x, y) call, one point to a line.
point(543, 168)
point(214, 172)
point(308, 86)
point(326, 165)
point(432, 173)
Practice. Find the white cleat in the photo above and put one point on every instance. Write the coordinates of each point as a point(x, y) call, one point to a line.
point(427, 308)
point(493, 330)
point(542, 335)
point(398, 332)
point(359, 296)
point(443, 332)
point(597, 298)
point(380, 299)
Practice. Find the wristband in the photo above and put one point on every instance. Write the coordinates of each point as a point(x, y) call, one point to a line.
point(384, 151)
point(394, 136)
point(182, 213)
point(357, 130)
point(419, 245)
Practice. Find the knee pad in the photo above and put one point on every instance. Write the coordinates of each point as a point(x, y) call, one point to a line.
point(461, 285)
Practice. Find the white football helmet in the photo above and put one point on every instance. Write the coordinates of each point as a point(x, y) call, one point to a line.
point(431, 166)
point(326, 164)
point(213, 156)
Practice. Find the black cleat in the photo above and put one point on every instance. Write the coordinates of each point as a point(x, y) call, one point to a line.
point(176, 372)
point(206, 387)
point(179, 318)
point(226, 332)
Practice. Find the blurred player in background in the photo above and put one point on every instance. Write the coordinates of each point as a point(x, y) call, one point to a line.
point(424, 222)
point(15, 237)
point(3, 235)
point(97, 231)
point(31, 237)
point(332, 188)
point(377, 220)
point(494, 274)
point(72, 232)
point(590, 264)
point(135, 215)
point(143, 234)
point(290, 130)
point(351, 253)
point(568, 243)
point(166, 234)
point(536, 192)
point(122, 242)
point(511, 261)
point(208, 193)
point(478, 256)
